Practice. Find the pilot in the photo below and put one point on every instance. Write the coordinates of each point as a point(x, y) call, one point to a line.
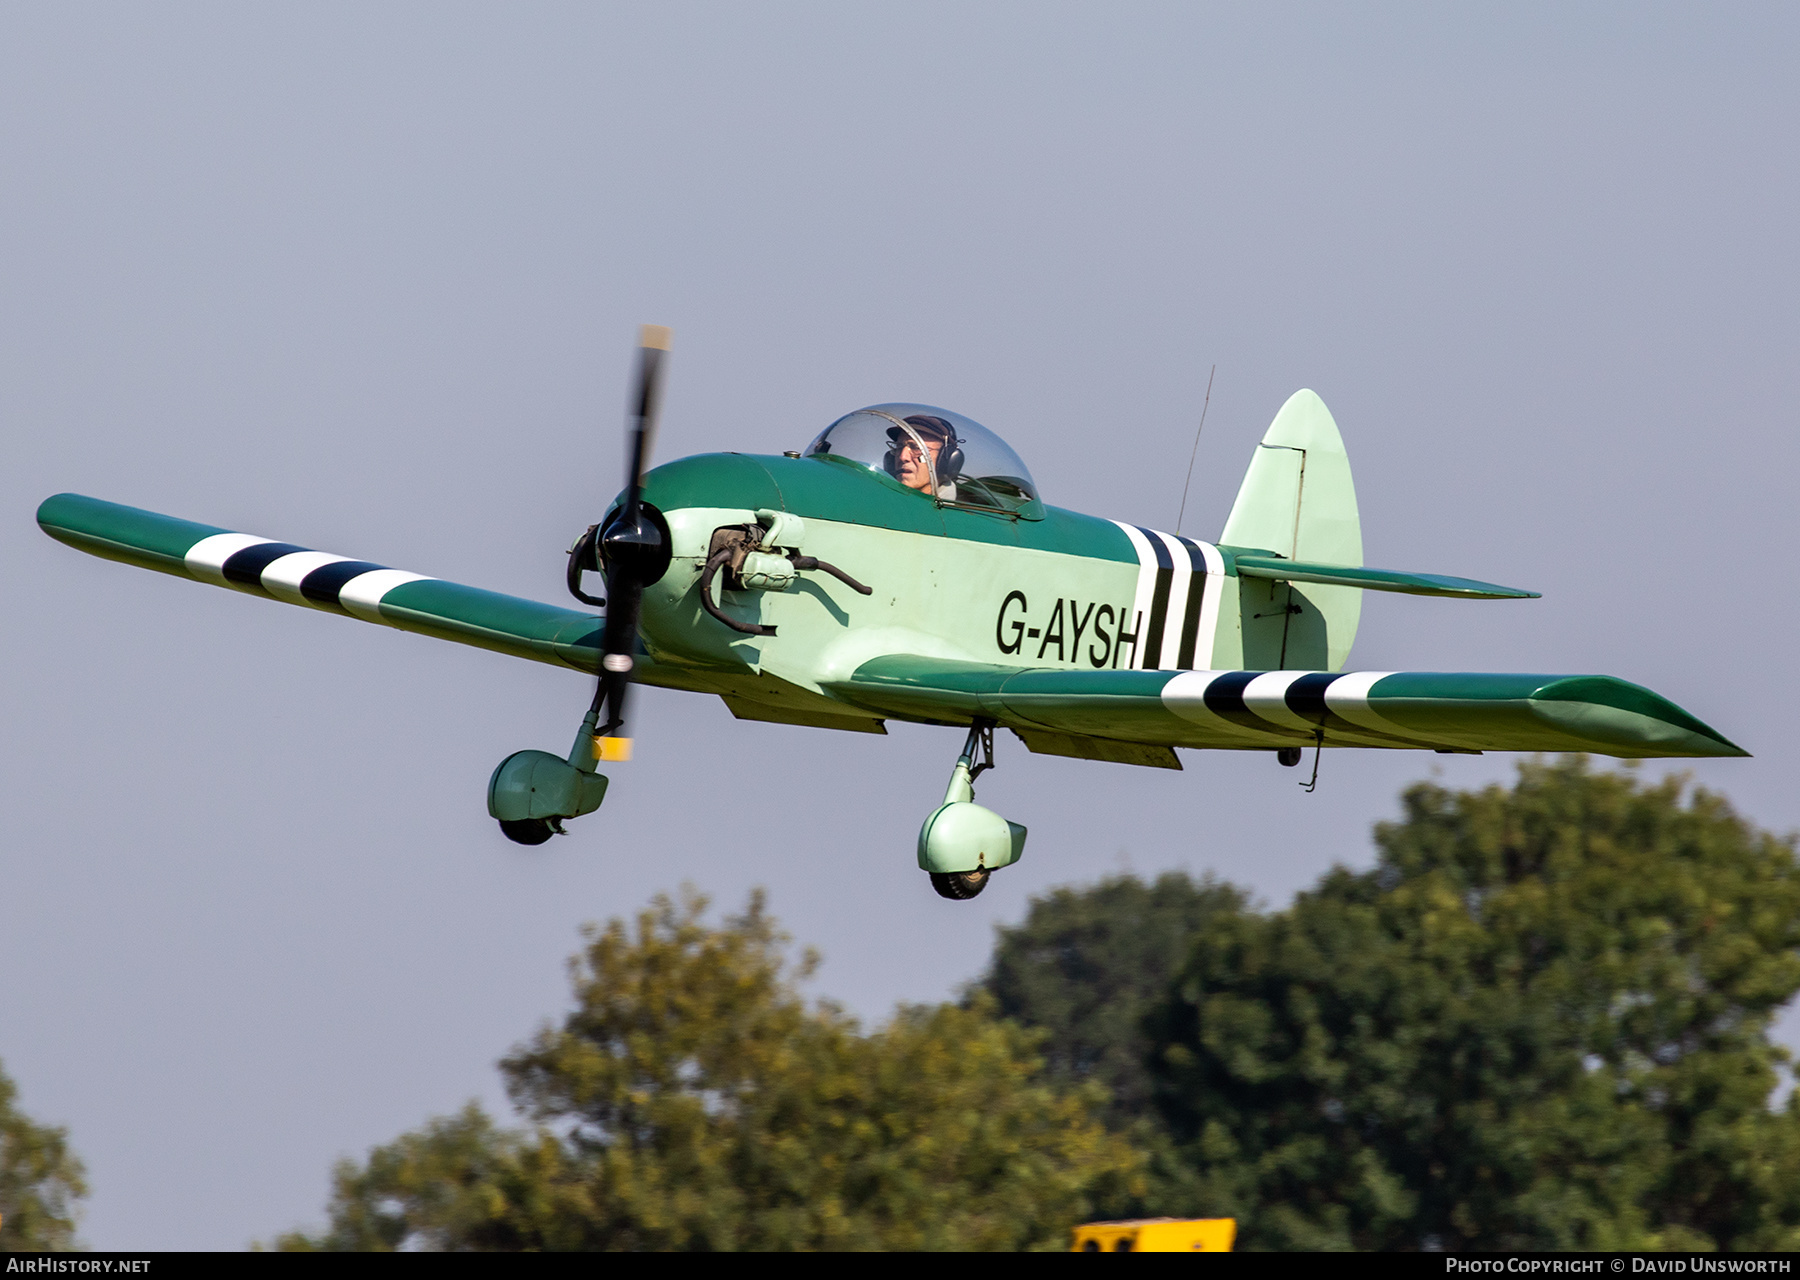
point(912, 470)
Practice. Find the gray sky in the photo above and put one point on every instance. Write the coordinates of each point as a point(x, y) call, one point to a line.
point(366, 278)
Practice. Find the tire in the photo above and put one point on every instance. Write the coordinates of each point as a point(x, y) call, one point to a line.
point(959, 885)
point(527, 830)
point(1289, 756)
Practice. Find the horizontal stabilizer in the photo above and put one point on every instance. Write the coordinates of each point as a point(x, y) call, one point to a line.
point(1339, 575)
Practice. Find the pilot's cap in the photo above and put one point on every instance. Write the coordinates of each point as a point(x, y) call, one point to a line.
point(929, 426)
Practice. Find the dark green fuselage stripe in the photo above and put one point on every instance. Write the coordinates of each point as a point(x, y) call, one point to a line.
point(850, 493)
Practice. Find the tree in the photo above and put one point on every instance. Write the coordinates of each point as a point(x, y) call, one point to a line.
point(1541, 1021)
point(1086, 965)
point(41, 1180)
point(693, 1100)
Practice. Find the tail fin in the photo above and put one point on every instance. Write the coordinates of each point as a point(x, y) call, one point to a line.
point(1298, 501)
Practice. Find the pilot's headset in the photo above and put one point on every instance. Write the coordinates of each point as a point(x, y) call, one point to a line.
point(950, 454)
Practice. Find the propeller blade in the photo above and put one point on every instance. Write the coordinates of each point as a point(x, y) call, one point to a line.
point(631, 545)
point(653, 352)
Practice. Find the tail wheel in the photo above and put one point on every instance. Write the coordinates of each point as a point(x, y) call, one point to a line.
point(533, 831)
point(959, 885)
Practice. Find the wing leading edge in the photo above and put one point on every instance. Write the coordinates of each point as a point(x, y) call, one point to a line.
point(1449, 711)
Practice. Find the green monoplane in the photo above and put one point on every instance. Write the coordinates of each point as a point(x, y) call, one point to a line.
point(904, 567)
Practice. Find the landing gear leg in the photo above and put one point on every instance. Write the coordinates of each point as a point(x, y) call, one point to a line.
point(961, 843)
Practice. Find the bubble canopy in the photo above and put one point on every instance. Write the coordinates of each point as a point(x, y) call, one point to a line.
point(938, 453)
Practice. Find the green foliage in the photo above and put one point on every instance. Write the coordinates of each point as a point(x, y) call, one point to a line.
point(693, 1100)
point(1539, 1022)
point(40, 1180)
point(1085, 965)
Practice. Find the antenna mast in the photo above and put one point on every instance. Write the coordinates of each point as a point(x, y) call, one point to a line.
point(1196, 452)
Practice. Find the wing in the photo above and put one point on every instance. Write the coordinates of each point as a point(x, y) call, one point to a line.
point(319, 580)
point(1098, 711)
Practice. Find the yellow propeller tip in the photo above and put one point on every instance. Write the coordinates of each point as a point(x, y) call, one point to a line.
point(613, 750)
